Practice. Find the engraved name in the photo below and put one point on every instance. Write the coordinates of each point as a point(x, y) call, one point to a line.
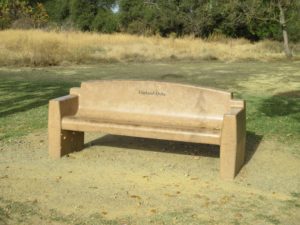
point(155, 93)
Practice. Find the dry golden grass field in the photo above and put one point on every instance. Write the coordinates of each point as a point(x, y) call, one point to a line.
point(48, 48)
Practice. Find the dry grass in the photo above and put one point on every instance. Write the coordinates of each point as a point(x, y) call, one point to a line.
point(42, 48)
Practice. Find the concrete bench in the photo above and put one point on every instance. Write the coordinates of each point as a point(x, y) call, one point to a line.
point(150, 109)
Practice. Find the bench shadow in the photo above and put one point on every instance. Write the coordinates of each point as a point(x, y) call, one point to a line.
point(252, 143)
point(175, 147)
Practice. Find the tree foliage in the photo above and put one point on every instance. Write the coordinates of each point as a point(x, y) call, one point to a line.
point(22, 14)
point(252, 19)
point(233, 18)
point(86, 15)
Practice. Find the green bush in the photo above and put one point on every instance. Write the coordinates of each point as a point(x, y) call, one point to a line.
point(5, 19)
point(82, 13)
point(105, 22)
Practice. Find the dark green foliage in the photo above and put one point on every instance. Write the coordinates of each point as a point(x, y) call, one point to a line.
point(58, 10)
point(83, 13)
point(293, 25)
point(105, 21)
point(86, 15)
point(134, 15)
point(251, 19)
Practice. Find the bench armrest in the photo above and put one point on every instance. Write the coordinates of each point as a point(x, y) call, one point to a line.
point(234, 120)
point(64, 106)
point(234, 111)
point(60, 107)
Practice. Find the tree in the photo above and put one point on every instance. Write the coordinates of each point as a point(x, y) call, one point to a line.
point(83, 12)
point(58, 10)
point(105, 21)
point(272, 11)
point(40, 16)
point(282, 6)
point(5, 19)
point(199, 18)
point(21, 14)
point(86, 15)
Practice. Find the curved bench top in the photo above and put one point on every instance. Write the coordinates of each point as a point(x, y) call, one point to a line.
point(150, 82)
point(153, 101)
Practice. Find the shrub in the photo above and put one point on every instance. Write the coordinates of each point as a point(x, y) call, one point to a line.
point(105, 22)
point(19, 14)
point(23, 23)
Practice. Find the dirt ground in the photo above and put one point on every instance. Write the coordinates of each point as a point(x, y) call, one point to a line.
point(126, 180)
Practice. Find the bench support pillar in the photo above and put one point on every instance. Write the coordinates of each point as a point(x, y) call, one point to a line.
point(62, 142)
point(233, 140)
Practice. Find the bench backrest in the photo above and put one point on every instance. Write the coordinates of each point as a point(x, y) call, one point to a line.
point(153, 102)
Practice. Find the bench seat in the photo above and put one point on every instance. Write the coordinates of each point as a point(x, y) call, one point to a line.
point(143, 129)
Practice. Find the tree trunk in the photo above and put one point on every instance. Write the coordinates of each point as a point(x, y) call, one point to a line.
point(210, 4)
point(287, 50)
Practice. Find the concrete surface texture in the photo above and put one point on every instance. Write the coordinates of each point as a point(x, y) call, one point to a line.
point(151, 109)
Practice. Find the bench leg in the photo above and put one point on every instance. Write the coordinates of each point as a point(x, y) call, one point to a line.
point(233, 143)
point(71, 141)
point(231, 160)
point(64, 142)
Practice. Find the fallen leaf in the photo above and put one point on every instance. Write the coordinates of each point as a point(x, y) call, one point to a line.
point(135, 196)
point(153, 210)
point(93, 187)
point(198, 196)
point(170, 195)
point(238, 215)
